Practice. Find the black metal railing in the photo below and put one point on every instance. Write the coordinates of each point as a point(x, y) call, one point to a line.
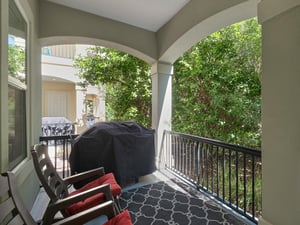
point(230, 173)
point(59, 148)
point(58, 129)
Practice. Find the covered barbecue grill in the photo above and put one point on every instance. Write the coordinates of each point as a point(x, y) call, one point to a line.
point(124, 148)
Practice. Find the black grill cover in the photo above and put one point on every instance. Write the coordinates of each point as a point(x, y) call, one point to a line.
point(124, 148)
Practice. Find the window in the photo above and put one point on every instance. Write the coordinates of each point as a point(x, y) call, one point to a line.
point(16, 86)
point(17, 124)
point(46, 51)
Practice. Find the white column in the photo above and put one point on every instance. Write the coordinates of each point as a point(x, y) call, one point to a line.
point(96, 110)
point(80, 110)
point(161, 100)
point(280, 112)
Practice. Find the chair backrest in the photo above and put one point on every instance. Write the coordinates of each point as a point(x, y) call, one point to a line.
point(12, 209)
point(54, 185)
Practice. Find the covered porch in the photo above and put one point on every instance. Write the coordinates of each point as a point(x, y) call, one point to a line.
point(160, 44)
point(171, 196)
point(197, 181)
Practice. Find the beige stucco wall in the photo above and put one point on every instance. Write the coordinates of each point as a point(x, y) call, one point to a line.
point(194, 22)
point(197, 20)
point(280, 115)
point(69, 89)
point(69, 26)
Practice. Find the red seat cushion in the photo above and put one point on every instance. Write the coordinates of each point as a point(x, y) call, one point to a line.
point(108, 178)
point(122, 218)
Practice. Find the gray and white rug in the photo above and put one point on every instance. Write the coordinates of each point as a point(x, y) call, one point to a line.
point(160, 204)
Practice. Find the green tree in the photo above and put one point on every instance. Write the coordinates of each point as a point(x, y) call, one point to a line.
point(217, 88)
point(16, 62)
point(127, 80)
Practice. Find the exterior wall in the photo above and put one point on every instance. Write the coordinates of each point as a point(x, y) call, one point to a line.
point(280, 113)
point(62, 51)
point(69, 26)
point(60, 79)
point(68, 89)
point(59, 68)
point(198, 20)
point(3, 87)
point(194, 22)
point(26, 178)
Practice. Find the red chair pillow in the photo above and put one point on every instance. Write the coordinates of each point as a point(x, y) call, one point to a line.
point(96, 199)
point(122, 218)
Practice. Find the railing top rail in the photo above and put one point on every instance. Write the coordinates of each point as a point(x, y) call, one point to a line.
point(238, 148)
point(58, 137)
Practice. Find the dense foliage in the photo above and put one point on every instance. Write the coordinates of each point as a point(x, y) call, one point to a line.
point(127, 80)
point(16, 62)
point(216, 86)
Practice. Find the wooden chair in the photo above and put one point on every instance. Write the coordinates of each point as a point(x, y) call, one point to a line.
point(13, 211)
point(58, 188)
point(122, 218)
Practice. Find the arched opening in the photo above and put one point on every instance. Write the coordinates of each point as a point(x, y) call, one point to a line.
point(76, 87)
point(217, 89)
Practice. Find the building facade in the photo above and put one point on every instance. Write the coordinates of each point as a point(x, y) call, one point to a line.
point(62, 96)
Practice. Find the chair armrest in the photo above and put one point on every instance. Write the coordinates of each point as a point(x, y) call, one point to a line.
point(84, 175)
point(85, 216)
point(61, 204)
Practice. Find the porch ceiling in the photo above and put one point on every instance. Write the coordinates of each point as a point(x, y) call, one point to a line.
point(147, 14)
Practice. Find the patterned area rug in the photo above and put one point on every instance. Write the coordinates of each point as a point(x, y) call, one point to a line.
point(160, 204)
